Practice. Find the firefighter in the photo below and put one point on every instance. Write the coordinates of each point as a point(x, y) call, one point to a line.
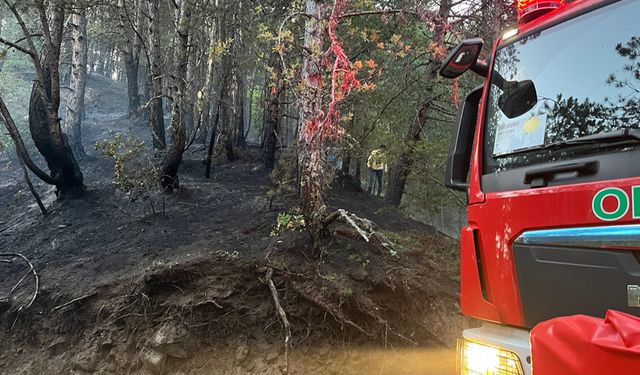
point(377, 164)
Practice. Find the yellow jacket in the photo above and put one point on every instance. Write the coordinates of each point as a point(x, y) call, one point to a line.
point(377, 160)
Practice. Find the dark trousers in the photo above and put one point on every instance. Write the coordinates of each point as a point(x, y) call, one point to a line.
point(375, 178)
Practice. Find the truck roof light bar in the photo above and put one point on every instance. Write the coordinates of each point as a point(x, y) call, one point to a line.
point(528, 10)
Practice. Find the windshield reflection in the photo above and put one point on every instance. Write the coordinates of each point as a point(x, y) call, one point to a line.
point(586, 74)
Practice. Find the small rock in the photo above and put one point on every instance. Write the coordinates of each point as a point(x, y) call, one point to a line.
point(152, 360)
point(169, 334)
point(272, 357)
point(169, 340)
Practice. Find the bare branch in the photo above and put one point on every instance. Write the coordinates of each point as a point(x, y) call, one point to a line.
point(16, 46)
point(31, 270)
point(21, 149)
point(283, 318)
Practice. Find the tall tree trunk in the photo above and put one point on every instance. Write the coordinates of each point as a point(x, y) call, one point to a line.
point(156, 113)
point(144, 83)
point(346, 165)
point(225, 110)
point(228, 118)
point(173, 158)
point(239, 109)
point(274, 113)
point(131, 66)
point(214, 127)
point(311, 112)
point(44, 105)
point(130, 50)
point(75, 107)
point(401, 170)
point(358, 172)
point(204, 98)
point(249, 104)
point(190, 98)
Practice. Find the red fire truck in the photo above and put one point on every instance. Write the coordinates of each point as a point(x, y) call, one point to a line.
point(548, 151)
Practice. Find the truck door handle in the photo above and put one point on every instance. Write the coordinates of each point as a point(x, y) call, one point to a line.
point(541, 176)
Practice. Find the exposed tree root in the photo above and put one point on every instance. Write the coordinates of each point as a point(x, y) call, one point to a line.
point(73, 301)
point(283, 317)
point(31, 270)
point(337, 314)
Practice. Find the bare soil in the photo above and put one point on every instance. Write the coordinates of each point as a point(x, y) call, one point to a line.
point(183, 291)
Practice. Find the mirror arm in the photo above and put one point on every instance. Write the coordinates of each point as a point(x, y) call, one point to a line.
point(481, 68)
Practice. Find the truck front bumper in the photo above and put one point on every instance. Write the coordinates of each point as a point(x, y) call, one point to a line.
point(494, 349)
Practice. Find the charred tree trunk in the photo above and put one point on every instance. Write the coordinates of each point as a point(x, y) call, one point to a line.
point(273, 114)
point(131, 66)
point(239, 110)
point(46, 132)
point(228, 118)
point(225, 100)
point(156, 113)
point(212, 142)
point(75, 107)
point(214, 127)
point(401, 170)
point(173, 158)
point(249, 104)
point(130, 50)
point(44, 120)
point(346, 165)
point(358, 172)
point(144, 84)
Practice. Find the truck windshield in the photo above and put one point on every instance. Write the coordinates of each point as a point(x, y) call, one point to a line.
point(576, 86)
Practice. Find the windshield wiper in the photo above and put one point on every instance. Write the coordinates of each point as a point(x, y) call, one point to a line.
point(615, 137)
point(627, 134)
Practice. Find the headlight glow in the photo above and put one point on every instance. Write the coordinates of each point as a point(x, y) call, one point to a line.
point(478, 359)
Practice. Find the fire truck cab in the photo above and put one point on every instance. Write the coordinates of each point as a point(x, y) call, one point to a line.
point(548, 151)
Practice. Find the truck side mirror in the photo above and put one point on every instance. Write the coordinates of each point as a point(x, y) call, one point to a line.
point(462, 58)
point(460, 156)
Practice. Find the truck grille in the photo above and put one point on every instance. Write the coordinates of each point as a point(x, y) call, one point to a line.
point(577, 271)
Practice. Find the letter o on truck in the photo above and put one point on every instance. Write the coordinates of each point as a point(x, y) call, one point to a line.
point(622, 203)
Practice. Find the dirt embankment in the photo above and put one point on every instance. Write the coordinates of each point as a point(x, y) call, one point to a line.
point(185, 290)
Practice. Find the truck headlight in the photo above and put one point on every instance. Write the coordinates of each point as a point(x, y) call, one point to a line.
point(478, 359)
